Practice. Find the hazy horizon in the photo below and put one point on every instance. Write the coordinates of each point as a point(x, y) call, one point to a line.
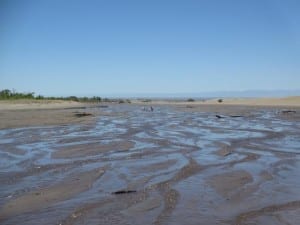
point(214, 94)
point(237, 94)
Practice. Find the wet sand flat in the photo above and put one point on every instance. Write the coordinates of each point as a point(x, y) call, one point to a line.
point(33, 201)
point(126, 165)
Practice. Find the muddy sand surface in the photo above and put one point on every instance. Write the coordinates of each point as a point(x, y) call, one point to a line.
point(127, 165)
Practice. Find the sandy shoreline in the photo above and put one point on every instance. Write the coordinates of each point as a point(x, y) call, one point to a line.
point(272, 102)
point(22, 113)
point(58, 104)
point(37, 104)
point(178, 164)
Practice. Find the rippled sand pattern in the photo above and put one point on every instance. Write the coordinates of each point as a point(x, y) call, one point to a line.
point(181, 167)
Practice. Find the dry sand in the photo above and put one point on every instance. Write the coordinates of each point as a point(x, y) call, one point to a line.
point(179, 164)
point(22, 113)
point(287, 101)
point(37, 104)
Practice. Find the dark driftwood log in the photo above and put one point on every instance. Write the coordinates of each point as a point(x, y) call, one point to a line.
point(82, 114)
point(233, 116)
point(288, 111)
point(123, 192)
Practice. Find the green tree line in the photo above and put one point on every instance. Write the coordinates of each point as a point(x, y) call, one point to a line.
point(7, 94)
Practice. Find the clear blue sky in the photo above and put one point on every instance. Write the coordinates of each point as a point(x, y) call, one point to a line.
point(87, 47)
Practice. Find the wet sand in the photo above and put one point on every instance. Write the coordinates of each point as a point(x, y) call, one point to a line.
point(179, 164)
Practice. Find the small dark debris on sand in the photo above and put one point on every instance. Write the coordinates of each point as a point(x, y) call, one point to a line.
point(232, 116)
point(190, 106)
point(80, 107)
point(288, 111)
point(146, 109)
point(82, 114)
point(227, 154)
point(123, 192)
point(235, 116)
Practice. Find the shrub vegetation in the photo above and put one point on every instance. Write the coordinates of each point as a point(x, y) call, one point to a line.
point(191, 100)
point(7, 94)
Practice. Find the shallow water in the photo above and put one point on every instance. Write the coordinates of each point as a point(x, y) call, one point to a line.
point(168, 156)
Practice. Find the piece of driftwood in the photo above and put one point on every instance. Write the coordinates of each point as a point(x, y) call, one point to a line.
point(288, 111)
point(233, 116)
point(80, 107)
point(123, 192)
point(82, 114)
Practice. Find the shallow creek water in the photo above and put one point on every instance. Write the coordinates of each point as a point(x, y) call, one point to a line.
point(184, 168)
